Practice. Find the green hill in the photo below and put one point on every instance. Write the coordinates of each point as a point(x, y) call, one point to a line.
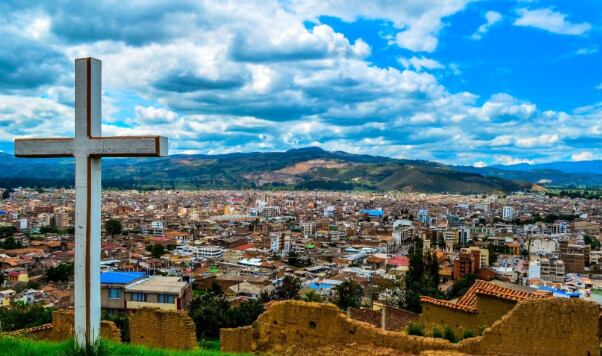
point(306, 168)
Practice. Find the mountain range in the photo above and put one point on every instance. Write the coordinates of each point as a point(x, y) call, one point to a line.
point(304, 168)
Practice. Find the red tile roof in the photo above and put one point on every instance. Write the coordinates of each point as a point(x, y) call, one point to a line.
point(468, 302)
point(486, 288)
point(448, 304)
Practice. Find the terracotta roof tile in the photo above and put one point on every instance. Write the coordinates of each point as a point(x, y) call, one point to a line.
point(468, 302)
point(448, 304)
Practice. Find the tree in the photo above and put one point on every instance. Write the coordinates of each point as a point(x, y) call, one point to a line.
point(113, 227)
point(208, 312)
point(60, 273)
point(288, 289)
point(10, 243)
point(413, 283)
point(6, 194)
point(462, 285)
point(6, 231)
point(49, 230)
point(349, 294)
point(594, 243)
point(156, 250)
point(22, 315)
point(211, 311)
point(311, 296)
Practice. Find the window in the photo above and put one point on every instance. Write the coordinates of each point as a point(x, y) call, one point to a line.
point(166, 298)
point(139, 297)
point(114, 293)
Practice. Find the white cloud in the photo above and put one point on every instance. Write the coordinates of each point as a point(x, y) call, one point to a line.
point(418, 21)
point(418, 63)
point(538, 141)
point(583, 156)
point(491, 18)
point(480, 164)
point(587, 50)
point(245, 76)
point(550, 20)
point(509, 160)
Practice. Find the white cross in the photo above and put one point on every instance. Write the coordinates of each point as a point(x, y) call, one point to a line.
point(88, 147)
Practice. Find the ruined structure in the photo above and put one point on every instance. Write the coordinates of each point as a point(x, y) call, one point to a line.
point(477, 309)
point(532, 327)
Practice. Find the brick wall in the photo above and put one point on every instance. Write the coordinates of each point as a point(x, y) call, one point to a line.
point(389, 318)
point(395, 319)
point(162, 328)
point(369, 316)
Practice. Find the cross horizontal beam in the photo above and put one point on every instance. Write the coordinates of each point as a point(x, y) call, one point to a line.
point(117, 146)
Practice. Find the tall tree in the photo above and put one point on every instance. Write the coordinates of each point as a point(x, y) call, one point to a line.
point(288, 289)
point(113, 227)
point(349, 294)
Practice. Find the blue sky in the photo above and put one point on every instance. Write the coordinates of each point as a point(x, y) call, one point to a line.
point(458, 81)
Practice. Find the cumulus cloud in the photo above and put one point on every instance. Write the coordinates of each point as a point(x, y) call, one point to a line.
point(583, 156)
point(245, 76)
point(491, 18)
point(551, 21)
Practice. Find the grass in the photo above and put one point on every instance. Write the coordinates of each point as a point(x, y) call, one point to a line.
point(26, 347)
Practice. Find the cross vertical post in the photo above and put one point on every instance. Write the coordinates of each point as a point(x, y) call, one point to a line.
point(88, 146)
point(87, 202)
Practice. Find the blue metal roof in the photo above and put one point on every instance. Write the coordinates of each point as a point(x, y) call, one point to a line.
point(373, 212)
point(119, 277)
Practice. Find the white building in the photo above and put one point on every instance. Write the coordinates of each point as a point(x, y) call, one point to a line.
point(507, 213)
point(212, 252)
point(154, 229)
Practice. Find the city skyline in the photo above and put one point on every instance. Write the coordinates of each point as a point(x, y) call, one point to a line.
point(472, 83)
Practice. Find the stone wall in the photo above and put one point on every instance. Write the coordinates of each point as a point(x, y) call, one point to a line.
point(369, 316)
point(162, 328)
point(533, 327)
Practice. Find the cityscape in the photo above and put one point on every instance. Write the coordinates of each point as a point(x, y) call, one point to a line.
point(300, 177)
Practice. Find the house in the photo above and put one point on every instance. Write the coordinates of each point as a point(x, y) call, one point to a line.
point(18, 275)
point(112, 285)
point(250, 290)
point(169, 293)
point(6, 296)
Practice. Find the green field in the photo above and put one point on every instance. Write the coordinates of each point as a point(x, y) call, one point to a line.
point(27, 347)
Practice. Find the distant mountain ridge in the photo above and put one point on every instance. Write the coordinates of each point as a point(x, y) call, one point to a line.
point(303, 168)
point(562, 174)
point(592, 167)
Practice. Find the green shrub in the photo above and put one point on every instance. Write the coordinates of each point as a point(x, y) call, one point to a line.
point(448, 334)
point(468, 334)
point(437, 333)
point(415, 329)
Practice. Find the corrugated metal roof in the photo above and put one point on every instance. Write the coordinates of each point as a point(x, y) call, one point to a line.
point(120, 277)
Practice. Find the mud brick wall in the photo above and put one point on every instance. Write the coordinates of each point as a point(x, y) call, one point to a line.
point(395, 319)
point(162, 328)
point(369, 316)
point(555, 326)
point(533, 327)
point(62, 327)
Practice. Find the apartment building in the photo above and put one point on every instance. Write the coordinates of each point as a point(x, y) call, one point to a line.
point(135, 290)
